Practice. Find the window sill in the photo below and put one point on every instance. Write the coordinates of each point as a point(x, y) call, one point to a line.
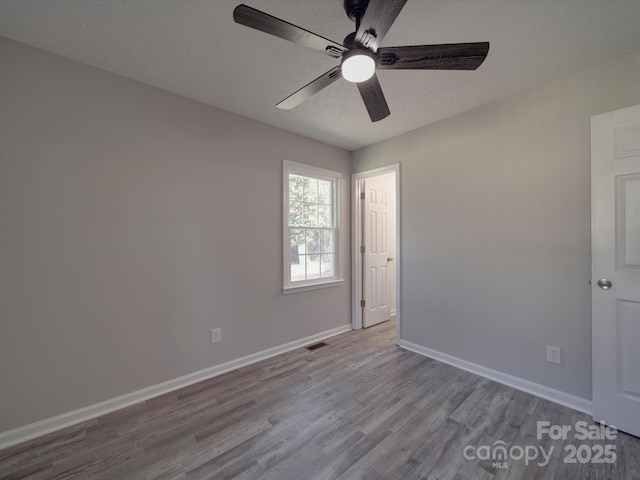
point(313, 286)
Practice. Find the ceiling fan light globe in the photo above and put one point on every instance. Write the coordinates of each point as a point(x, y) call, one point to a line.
point(358, 67)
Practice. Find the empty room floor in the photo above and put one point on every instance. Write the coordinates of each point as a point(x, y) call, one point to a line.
point(357, 408)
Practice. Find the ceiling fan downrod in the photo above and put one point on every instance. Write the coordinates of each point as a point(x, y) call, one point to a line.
point(355, 10)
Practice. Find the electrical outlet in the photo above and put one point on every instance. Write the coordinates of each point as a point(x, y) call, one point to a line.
point(553, 354)
point(216, 335)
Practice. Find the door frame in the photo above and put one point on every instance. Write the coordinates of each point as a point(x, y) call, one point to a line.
point(357, 239)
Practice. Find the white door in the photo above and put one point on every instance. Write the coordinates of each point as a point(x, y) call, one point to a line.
point(615, 192)
point(379, 248)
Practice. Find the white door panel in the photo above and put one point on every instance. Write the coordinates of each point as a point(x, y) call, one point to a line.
point(615, 191)
point(378, 258)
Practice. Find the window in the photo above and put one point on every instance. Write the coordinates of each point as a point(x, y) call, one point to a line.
point(311, 230)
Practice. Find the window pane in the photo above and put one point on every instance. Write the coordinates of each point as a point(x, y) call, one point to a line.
point(310, 192)
point(296, 183)
point(326, 241)
point(298, 239)
point(298, 269)
point(313, 266)
point(313, 241)
point(324, 216)
point(327, 268)
point(296, 217)
point(325, 192)
point(310, 215)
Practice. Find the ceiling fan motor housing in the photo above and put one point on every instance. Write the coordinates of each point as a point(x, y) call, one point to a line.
point(350, 41)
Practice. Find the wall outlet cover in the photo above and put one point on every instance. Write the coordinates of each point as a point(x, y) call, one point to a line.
point(216, 335)
point(553, 354)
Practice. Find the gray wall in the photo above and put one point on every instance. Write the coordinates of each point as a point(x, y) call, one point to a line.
point(496, 226)
point(132, 221)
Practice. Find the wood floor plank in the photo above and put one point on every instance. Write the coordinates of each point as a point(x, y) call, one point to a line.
point(357, 408)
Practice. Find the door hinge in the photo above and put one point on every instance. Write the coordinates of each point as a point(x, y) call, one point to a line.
point(361, 195)
point(362, 249)
point(362, 302)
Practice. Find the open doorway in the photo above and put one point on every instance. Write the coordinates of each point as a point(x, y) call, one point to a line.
point(376, 242)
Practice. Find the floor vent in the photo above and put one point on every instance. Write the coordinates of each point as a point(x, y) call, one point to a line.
point(316, 345)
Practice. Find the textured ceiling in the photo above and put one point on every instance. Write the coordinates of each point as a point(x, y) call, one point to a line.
point(194, 48)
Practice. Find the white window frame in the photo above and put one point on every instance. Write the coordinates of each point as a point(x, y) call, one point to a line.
point(288, 168)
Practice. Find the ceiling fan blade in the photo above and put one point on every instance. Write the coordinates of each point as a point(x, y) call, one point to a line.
point(453, 56)
point(310, 89)
point(373, 98)
point(377, 20)
point(264, 22)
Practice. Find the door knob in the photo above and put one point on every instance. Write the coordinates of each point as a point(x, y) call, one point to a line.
point(389, 259)
point(605, 284)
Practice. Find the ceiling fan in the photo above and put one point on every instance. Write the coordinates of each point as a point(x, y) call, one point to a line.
point(361, 52)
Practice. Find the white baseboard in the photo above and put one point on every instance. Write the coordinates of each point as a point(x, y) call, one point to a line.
point(43, 427)
point(577, 403)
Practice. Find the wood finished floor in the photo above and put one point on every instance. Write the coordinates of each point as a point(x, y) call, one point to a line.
point(358, 408)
